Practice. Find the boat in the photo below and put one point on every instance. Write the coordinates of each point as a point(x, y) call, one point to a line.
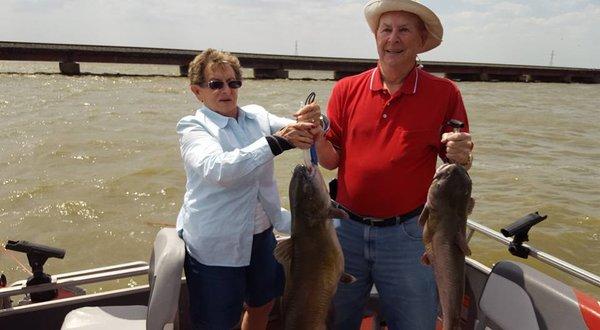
point(508, 295)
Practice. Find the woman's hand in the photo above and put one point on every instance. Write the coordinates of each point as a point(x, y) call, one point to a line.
point(298, 134)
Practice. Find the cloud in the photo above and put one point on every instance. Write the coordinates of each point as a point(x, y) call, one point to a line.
point(510, 8)
point(508, 32)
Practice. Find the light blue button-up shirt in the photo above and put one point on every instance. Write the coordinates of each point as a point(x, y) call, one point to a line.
point(229, 169)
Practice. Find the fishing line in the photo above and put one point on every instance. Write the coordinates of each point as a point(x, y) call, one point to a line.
point(160, 224)
point(310, 156)
point(22, 267)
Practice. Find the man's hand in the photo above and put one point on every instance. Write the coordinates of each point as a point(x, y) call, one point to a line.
point(458, 148)
point(309, 114)
point(298, 134)
point(312, 114)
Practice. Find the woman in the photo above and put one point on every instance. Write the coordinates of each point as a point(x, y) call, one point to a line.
point(231, 201)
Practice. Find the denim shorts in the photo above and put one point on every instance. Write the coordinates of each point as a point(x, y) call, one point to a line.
point(217, 294)
point(390, 259)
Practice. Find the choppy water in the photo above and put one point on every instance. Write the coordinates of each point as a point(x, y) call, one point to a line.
point(91, 163)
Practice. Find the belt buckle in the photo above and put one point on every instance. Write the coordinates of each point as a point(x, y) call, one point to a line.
point(371, 221)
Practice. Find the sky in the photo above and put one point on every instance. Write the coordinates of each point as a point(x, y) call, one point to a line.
point(537, 32)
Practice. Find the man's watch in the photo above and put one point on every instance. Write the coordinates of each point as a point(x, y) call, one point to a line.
point(324, 122)
point(469, 162)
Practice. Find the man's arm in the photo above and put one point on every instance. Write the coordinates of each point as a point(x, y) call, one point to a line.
point(329, 156)
point(459, 145)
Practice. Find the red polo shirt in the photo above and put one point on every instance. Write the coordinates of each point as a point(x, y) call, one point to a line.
point(389, 143)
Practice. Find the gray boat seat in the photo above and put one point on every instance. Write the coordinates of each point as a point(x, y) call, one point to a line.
point(164, 277)
point(517, 296)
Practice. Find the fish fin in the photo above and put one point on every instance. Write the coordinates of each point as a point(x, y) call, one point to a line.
point(347, 278)
point(334, 212)
point(424, 215)
point(470, 205)
point(426, 259)
point(461, 241)
point(283, 251)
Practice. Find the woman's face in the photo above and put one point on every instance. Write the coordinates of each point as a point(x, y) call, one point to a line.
point(221, 100)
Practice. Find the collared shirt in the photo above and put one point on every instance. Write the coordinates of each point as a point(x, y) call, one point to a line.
point(389, 143)
point(229, 169)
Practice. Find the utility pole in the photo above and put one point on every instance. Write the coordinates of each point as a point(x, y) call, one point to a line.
point(296, 48)
point(552, 58)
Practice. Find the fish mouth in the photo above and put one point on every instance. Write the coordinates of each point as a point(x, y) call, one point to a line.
point(307, 170)
point(304, 173)
point(442, 171)
point(445, 171)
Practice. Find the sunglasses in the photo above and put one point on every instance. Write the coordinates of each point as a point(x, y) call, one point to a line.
point(217, 84)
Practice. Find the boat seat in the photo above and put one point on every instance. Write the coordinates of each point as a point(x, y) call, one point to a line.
point(517, 296)
point(164, 278)
point(505, 304)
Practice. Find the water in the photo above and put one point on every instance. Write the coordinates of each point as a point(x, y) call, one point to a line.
point(91, 163)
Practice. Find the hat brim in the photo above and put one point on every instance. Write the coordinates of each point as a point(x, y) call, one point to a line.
point(375, 8)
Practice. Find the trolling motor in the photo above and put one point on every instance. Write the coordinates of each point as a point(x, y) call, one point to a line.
point(520, 230)
point(37, 255)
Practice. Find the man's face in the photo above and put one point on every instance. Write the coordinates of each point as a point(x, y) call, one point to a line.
point(223, 100)
point(400, 37)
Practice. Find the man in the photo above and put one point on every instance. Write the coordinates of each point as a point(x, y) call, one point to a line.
point(388, 125)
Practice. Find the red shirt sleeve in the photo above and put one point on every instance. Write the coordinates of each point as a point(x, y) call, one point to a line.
point(335, 108)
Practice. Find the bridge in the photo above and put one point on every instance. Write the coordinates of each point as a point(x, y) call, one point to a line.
point(276, 66)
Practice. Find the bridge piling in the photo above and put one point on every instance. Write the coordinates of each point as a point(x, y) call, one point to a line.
point(271, 74)
point(484, 76)
point(183, 70)
point(464, 76)
point(69, 68)
point(525, 78)
point(337, 75)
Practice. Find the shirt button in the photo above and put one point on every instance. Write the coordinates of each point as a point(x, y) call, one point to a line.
point(385, 115)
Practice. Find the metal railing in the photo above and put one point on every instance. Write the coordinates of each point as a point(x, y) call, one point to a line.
point(535, 253)
point(78, 278)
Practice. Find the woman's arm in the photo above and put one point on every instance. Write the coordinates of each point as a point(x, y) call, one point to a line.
point(203, 153)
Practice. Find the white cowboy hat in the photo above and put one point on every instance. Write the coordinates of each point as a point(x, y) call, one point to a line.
point(375, 8)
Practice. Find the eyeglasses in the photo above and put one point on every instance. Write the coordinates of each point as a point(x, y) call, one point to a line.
point(217, 84)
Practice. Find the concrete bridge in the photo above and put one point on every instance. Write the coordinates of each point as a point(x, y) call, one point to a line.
point(277, 66)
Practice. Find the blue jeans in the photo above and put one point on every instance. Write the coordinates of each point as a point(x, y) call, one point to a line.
point(390, 258)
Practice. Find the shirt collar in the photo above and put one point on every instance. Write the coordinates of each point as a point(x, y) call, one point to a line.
point(409, 86)
point(220, 120)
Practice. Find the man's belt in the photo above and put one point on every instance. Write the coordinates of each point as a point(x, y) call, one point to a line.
point(380, 222)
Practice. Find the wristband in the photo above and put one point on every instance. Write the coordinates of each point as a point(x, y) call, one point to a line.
point(278, 144)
